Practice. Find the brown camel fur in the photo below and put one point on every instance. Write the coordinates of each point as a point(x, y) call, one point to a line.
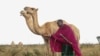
point(46, 30)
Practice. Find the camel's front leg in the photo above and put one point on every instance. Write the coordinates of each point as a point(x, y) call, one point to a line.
point(57, 53)
point(49, 52)
point(46, 46)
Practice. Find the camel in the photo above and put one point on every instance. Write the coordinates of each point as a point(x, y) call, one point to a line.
point(46, 30)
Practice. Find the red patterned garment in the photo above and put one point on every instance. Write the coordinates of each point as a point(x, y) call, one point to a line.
point(57, 40)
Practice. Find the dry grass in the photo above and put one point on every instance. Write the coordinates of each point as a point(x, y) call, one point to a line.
point(40, 50)
point(90, 50)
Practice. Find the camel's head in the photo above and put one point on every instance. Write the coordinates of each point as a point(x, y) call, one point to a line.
point(30, 10)
point(25, 14)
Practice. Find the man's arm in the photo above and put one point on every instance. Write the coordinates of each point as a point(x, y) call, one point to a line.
point(65, 38)
point(58, 37)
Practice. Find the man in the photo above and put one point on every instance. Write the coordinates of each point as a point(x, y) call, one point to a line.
point(64, 37)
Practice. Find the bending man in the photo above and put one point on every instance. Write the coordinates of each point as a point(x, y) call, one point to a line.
point(64, 36)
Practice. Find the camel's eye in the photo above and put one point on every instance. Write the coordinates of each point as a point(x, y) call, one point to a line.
point(32, 8)
point(27, 12)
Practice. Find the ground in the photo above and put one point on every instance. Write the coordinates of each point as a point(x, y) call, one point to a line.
point(39, 50)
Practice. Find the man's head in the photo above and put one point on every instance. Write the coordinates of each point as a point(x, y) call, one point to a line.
point(60, 22)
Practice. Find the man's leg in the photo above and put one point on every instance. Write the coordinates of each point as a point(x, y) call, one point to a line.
point(67, 50)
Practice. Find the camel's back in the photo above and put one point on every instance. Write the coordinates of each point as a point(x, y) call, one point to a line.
point(76, 31)
point(53, 26)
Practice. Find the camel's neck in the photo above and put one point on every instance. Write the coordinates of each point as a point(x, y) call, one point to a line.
point(38, 29)
point(29, 22)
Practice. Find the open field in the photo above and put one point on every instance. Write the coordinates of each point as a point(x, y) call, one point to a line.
point(40, 50)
